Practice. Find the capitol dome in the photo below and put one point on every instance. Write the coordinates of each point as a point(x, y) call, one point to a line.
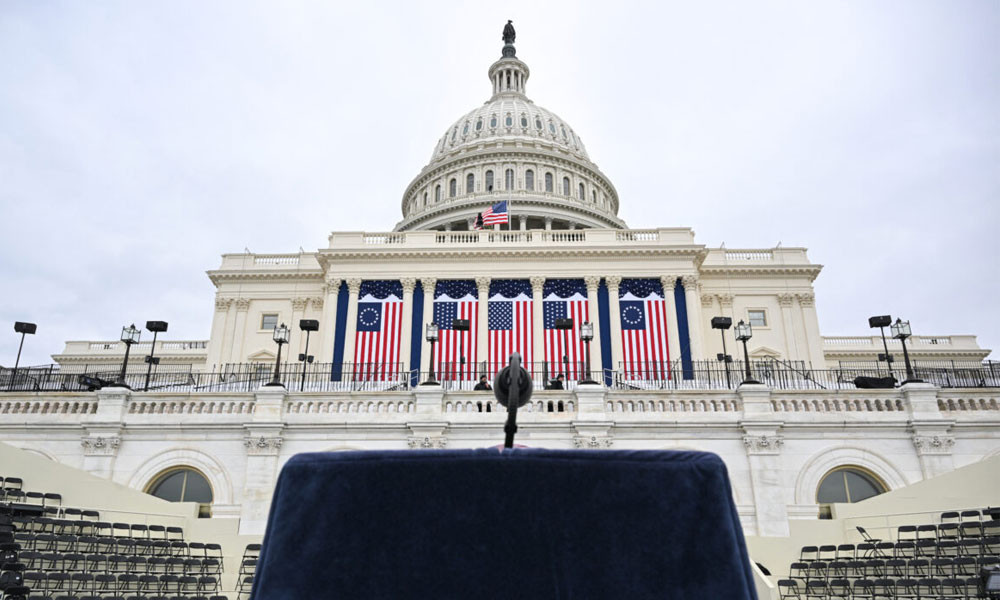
point(510, 149)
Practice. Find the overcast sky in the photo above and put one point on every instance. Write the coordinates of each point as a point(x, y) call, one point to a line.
point(141, 140)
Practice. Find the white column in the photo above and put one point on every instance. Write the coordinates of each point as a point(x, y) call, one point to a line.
point(328, 320)
point(482, 331)
point(429, 284)
point(614, 307)
point(523, 221)
point(222, 327)
point(693, 301)
point(807, 304)
point(407, 331)
point(593, 283)
point(298, 313)
point(538, 320)
point(785, 301)
point(548, 223)
point(353, 286)
point(235, 349)
point(673, 337)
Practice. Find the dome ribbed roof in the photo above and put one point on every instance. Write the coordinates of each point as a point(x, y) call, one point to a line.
point(509, 117)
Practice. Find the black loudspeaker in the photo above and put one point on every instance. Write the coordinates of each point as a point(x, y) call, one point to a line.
point(28, 328)
point(721, 322)
point(309, 325)
point(880, 321)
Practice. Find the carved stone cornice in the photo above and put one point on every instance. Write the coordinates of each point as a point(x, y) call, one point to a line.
point(592, 282)
point(786, 300)
point(425, 442)
point(409, 284)
point(354, 286)
point(299, 303)
point(593, 442)
point(933, 444)
point(763, 444)
point(242, 304)
point(223, 304)
point(262, 445)
point(100, 446)
point(806, 300)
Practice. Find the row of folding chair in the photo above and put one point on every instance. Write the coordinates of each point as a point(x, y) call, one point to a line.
point(926, 548)
point(11, 483)
point(973, 514)
point(100, 528)
point(906, 588)
point(894, 567)
point(22, 497)
point(87, 544)
point(26, 594)
point(90, 583)
point(104, 563)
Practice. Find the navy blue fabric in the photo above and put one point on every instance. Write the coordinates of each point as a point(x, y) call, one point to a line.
point(416, 333)
point(340, 331)
point(604, 319)
point(522, 523)
point(687, 368)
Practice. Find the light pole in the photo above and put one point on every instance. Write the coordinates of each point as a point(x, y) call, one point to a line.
point(882, 322)
point(722, 324)
point(156, 327)
point(743, 333)
point(280, 337)
point(901, 330)
point(24, 329)
point(308, 326)
point(587, 335)
point(130, 335)
point(565, 325)
point(463, 326)
point(432, 336)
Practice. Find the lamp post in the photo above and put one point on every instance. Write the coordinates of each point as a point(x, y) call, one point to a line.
point(461, 325)
point(24, 329)
point(130, 335)
point(882, 322)
point(587, 336)
point(155, 327)
point(308, 326)
point(743, 333)
point(281, 334)
point(431, 335)
point(565, 325)
point(722, 324)
point(901, 330)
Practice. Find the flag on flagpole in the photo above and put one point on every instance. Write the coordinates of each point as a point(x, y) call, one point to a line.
point(494, 215)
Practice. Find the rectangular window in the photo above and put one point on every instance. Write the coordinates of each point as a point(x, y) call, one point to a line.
point(269, 321)
point(758, 318)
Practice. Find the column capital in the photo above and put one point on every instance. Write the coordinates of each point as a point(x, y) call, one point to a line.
point(669, 283)
point(429, 284)
point(223, 304)
point(786, 300)
point(806, 300)
point(409, 284)
point(933, 444)
point(689, 281)
point(242, 304)
point(483, 284)
point(299, 303)
point(354, 285)
point(592, 281)
point(613, 282)
point(707, 300)
point(726, 300)
point(537, 283)
point(317, 302)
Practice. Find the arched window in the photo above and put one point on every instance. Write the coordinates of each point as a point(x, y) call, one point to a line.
point(583, 194)
point(548, 182)
point(529, 180)
point(479, 123)
point(508, 179)
point(470, 183)
point(565, 186)
point(552, 128)
point(454, 132)
point(437, 194)
point(848, 484)
point(524, 121)
point(465, 130)
point(425, 199)
point(183, 484)
point(452, 188)
point(593, 196)
point(538, 124)
point(509, 120)
point(493, 121)
point(489, 181)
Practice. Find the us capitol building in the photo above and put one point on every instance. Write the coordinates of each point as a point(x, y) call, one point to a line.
point(809, 433)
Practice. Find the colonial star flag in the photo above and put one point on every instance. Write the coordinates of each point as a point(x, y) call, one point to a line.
point(510, 323)
point(379, 326)
point(494, 215)
point(646, 354)
point(564, 351)
point(455, 354)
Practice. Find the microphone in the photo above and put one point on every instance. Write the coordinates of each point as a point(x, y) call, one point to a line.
point(512, 387)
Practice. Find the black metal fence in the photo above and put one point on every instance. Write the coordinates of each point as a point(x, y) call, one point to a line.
point(327, 377)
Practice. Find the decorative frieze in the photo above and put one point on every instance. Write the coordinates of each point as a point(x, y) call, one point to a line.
point(426, 442)
point(593, 442)
point(262, 445)
point(100, 446)
point(933, 444)
point(763, 444)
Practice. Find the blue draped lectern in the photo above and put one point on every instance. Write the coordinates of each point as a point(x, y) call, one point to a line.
point(489, 524)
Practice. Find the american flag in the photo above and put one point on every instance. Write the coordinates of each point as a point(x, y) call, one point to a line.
point(380, 321)
point(495, 215)
point(510, 322)
point(564, 299)
point(644, 329)
point(456, 299)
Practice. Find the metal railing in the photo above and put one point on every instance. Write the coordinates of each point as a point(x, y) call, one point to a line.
point(348, 377)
